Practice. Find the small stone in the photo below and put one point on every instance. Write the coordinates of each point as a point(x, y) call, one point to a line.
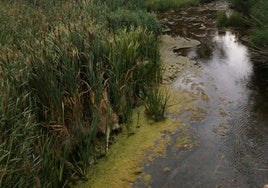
point(166, 169)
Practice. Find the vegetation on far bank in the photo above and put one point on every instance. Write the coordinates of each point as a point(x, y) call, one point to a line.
point(251, 14)
point(162, 5)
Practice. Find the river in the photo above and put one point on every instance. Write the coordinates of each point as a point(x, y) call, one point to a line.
point(233, 135)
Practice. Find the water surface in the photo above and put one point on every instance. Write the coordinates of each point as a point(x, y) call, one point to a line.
point(233, 139)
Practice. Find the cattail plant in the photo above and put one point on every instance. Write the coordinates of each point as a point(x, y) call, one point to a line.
point(66, 82)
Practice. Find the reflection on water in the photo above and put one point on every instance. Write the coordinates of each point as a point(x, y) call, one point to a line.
point(228, 63)
point(246, 146)
point(227, 66)
point(238, 99)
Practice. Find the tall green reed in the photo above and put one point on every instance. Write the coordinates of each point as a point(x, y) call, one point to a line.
point(64, 84)
point(155, 102)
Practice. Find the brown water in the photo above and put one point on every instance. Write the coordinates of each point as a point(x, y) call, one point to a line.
point(233, 137)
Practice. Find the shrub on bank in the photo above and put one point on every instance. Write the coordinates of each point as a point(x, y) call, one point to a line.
point(222, 19)
point(123, 18)
point(235, 19)
point(242, 6)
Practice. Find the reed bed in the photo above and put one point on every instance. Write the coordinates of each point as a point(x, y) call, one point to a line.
point(70, 74)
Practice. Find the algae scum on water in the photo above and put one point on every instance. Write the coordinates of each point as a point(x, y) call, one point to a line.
point(174, 65)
